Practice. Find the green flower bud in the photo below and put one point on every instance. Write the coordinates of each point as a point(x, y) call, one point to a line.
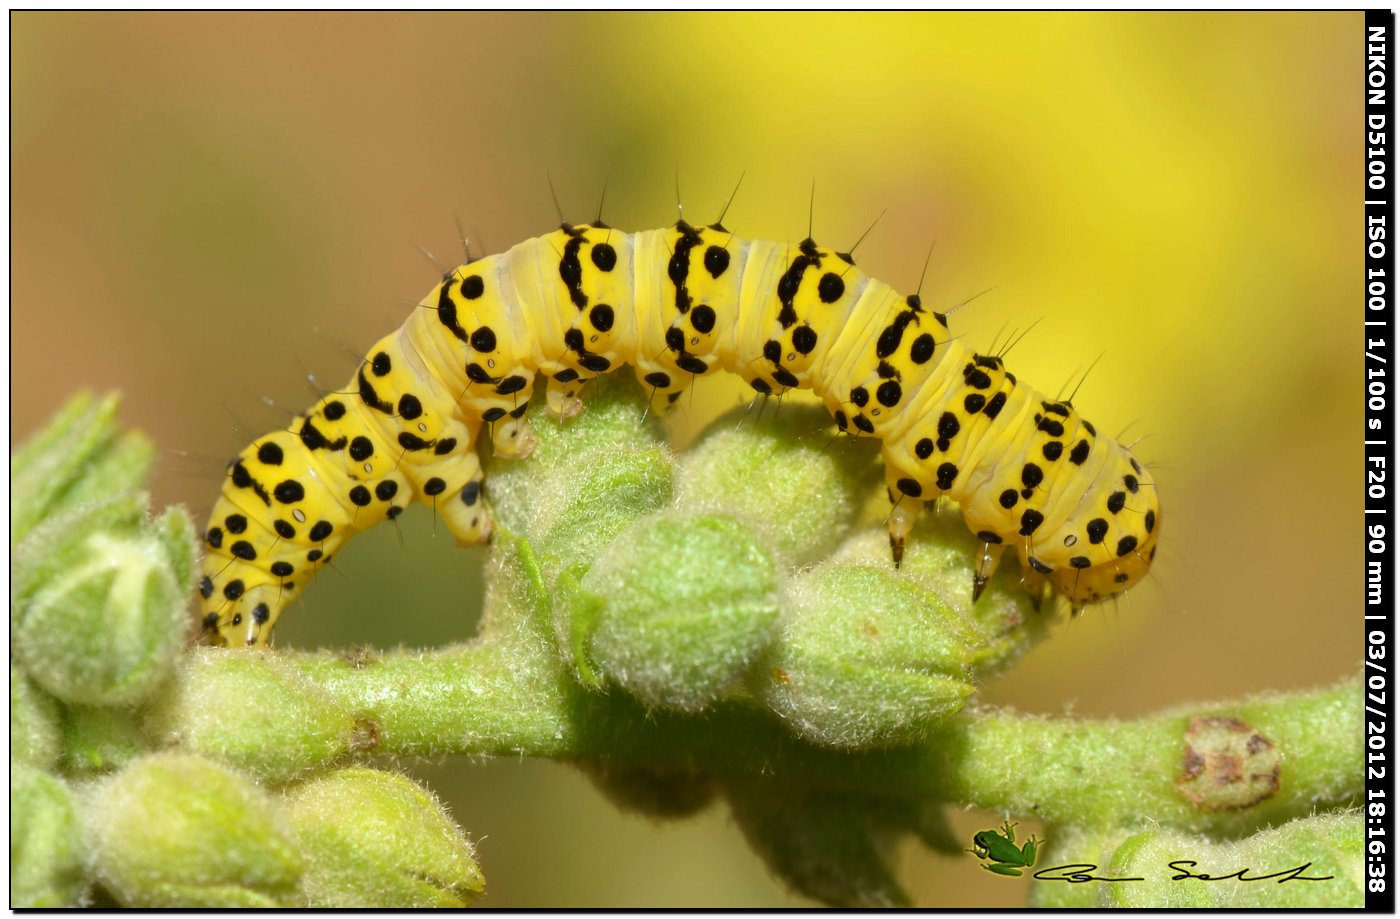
point(375, 839)
point(939, 557)
point(679, 608)
point(589, 477)
point(833, 848)
point(101, 739)
point(1172, 863)
point(256, 710)
point(174, 530)
point(1173, 866)
point(107, 630)
point(34, 722)
point(60, 542)
point(746, 468)
point(178, 830)
point(78, 457)
point(46, 854)
point(866, 658)
point(43, 448)
point(1079, 845)
point(124, 466)
point(599, 501)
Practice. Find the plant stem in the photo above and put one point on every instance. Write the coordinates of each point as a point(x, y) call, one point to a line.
point(477, 699)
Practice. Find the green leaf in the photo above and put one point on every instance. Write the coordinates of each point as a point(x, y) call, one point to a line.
point(660, 791)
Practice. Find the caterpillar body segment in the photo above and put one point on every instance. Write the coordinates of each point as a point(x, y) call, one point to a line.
point(1029, 473)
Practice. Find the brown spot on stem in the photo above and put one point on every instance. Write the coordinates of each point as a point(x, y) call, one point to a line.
point(360, 656)
point(365, 737)
point(1227, 765)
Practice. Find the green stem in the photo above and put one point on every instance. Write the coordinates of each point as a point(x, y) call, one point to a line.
point(1119, 772)
point(479, 699)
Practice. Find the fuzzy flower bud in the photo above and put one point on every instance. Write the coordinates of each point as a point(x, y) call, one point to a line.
point(1315, 863)
point(375, 839)
point(46, 855)
point(588, 478)
point(106, 630)
point(866, 658)
point(178, 830)
point(784, 476)
point(939, 559)
point(257, 710)
point(60, 542)
point(81, 456)
point(679, 610)
point(34, 722)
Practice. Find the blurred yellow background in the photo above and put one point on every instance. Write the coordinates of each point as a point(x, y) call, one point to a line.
point(206, 208)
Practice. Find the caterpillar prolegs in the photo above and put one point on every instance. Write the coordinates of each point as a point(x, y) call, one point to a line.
point(675, 303)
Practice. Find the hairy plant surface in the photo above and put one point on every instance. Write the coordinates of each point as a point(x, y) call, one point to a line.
point(683, 629)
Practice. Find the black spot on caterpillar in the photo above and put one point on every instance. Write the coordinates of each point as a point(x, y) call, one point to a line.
point(674, 303)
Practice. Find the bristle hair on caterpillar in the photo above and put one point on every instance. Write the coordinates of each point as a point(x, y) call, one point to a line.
point(1028, 472)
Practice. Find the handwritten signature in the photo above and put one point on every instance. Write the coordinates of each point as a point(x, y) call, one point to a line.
point(1082, 874)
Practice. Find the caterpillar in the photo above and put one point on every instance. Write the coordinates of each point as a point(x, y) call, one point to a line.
point(675, 303)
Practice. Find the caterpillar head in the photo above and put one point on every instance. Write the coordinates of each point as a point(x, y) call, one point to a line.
point(1099, 582)
point(1116, 537)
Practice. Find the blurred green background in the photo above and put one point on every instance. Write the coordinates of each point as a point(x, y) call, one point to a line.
point(206, 208)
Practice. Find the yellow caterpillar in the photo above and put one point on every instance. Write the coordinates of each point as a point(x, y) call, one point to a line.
point(674, 303)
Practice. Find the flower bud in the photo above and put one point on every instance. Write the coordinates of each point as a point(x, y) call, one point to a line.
point(46, 855)
point(377, 840)
point(678, 609)
point(256, 710)
point(178, 830)
point(1175, 866)
point(61, 541)
point(866, 658)
point(939, 557)
point(106, 630)
point(1308, 863)
point(80, 456)
point(174, 530)
point(124, 466)
point(34, 722)
point(588, 478)
point(784, 476)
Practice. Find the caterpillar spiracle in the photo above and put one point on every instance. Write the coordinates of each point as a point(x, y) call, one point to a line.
point(675, 303)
